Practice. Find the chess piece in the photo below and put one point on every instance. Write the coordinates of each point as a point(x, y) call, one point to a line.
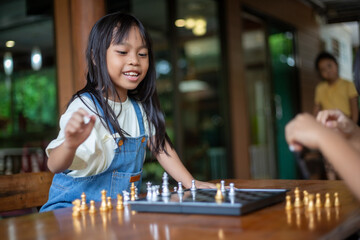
point(126, 197)
point(149, 192)
point(311, 206)
point(165, 186)
point(180, 188)
point(76, 207)
point(92, 208)
point(297, 203)
point(132, 192)
point(318, 203)
point(219, 196)
point(327, 203)
point(288, 205)
point(136, 193)
point(193, 186)
point(83, 206)
point(175, 189)
point(336, 200)
point(103, 206)
point(119, 205)
point(109, 204)
point(222, 187)
point(232, 189)
point(154, 195)
point(306, 197)
point(157, 187)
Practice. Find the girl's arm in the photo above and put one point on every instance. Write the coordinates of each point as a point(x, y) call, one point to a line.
point(173, 165)
point(339, 122)
point(76, 132)
point(354, 109)
point(305, 131)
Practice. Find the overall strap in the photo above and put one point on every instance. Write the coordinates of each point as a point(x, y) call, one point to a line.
point(101, 111)
point(139, 116)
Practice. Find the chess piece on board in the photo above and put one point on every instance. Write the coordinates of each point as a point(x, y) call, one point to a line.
point(193, 186)
point(132, 192)
point(288, 205)
point(336, 200)
point(297, 203)
point(222, 187)
point(83, 206)
point(76, 207)
point(109, 204)
point(306, 197)
point(119, 205)
point(149, 191)
point(318, 203)
point(126, 197)
point(103, 206)
point(165, 186)
point(219, 197)
point(327, 203)
point(180, 188)
point(311, 206)
point(232, 189)
point(92, 208)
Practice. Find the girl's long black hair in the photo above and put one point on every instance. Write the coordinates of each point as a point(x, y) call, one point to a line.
point(113, 28)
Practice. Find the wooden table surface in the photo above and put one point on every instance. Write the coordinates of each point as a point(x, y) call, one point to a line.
point(272, 222)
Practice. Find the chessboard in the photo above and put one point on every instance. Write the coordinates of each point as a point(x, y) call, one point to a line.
point(203, 201)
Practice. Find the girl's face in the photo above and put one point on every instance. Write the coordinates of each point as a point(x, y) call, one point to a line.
point(328, 70)
point(127, 62)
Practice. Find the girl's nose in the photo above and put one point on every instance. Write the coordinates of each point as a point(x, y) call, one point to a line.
point(133, 59)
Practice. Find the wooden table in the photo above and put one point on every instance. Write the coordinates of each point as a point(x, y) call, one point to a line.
point(273, 222)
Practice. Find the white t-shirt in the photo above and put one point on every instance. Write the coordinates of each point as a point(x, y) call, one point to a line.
point(96, 153)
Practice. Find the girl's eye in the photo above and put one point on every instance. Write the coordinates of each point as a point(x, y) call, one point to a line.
point(121, 52)
point(143, 54)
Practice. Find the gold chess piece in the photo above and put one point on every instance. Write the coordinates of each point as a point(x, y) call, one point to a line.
point(92, 208)
point(119, 205)
point(132, 192)
point(336, 200)
point(297, 203)
point(288, 205)
point(109, 204)
point(327, 203)
point(318, 203)
point(103, 206)
point(311, 206)
point(306, 197)
point(76, 207)
point(219, 196)
point(83, 206)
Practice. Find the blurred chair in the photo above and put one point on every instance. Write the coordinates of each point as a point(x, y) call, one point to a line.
point(26, 159)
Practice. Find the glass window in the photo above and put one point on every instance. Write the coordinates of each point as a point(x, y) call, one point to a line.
point(28, 106)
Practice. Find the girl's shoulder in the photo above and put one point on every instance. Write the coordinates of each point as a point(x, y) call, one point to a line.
point(83, 102)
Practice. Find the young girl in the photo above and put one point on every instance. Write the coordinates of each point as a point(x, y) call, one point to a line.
point(109, 123)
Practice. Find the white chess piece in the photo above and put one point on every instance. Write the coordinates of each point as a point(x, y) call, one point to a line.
point(180, 188)
point(165, 187)
point(193, 186)
point(149, 192)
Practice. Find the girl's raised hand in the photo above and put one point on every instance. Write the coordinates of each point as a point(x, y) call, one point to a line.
point(78, 128)
point(303, 130)
point(335, 119)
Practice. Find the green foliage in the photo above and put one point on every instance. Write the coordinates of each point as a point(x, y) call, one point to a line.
point(34, 100)
point(35, 97)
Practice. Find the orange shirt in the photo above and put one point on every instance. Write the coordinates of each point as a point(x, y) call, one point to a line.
point(335, 96)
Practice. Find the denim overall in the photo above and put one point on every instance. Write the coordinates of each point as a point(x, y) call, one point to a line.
point(125, 168)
